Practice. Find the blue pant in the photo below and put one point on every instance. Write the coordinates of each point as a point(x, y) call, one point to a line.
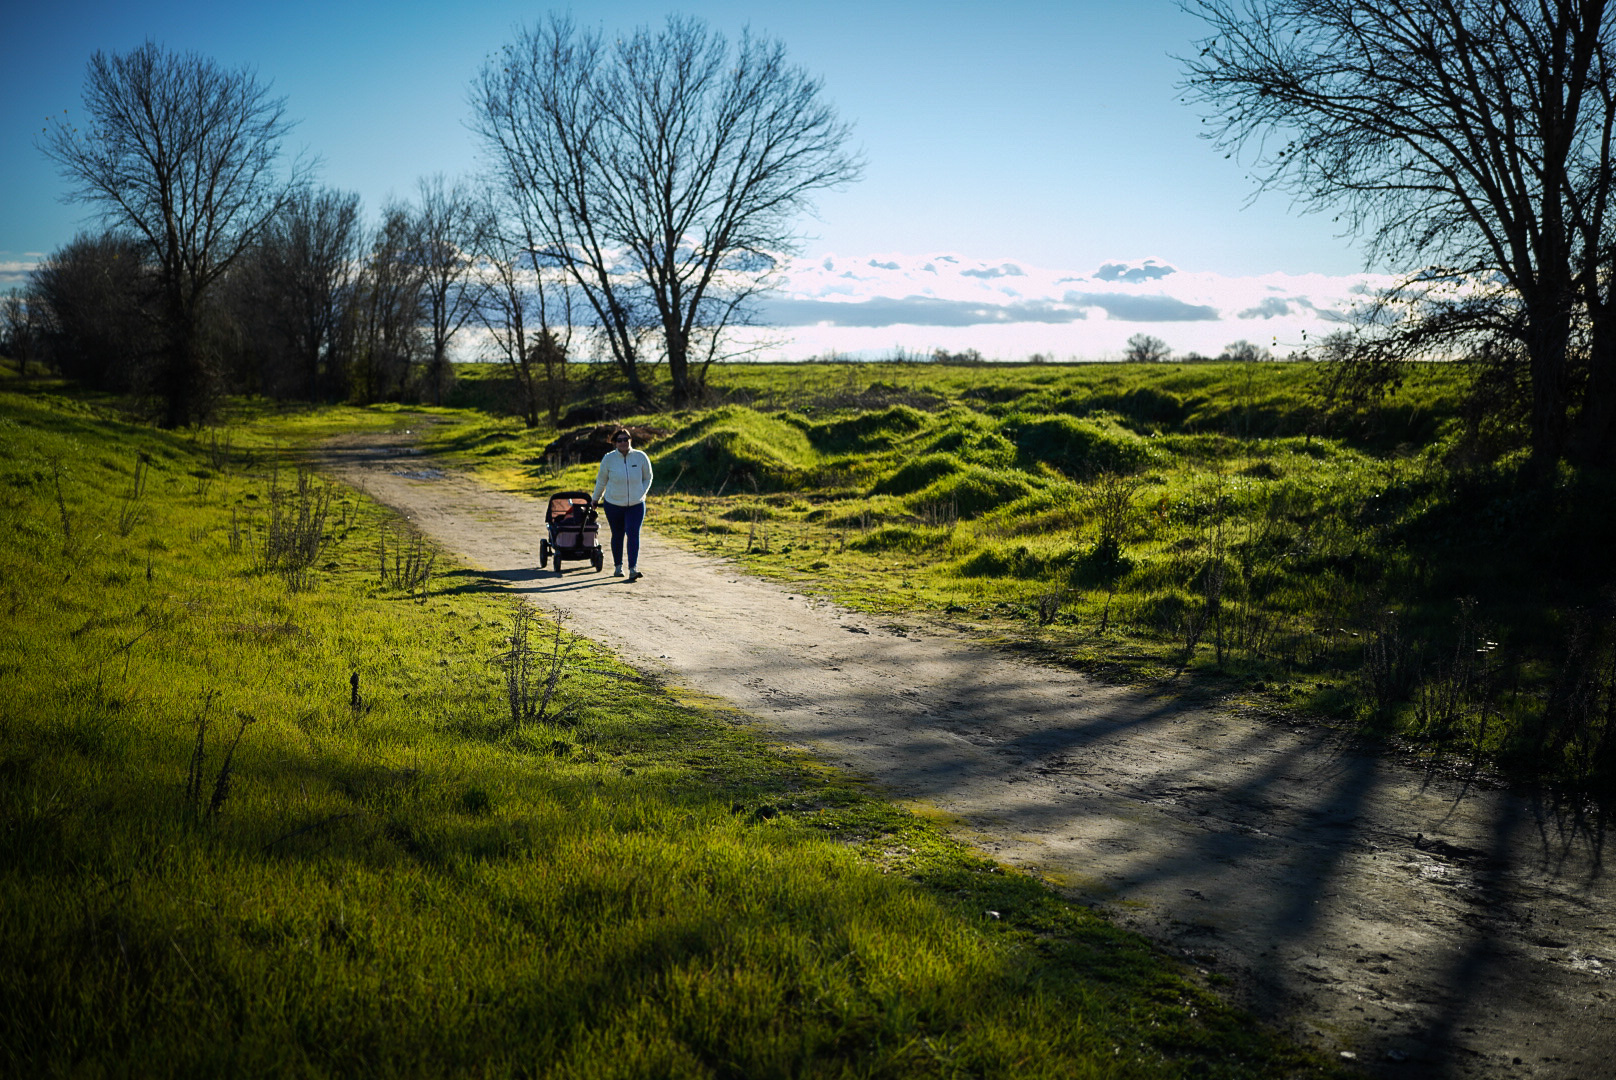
point(625, 521)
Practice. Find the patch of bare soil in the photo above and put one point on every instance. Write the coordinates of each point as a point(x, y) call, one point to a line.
point(591, 443)
point(1422, 925)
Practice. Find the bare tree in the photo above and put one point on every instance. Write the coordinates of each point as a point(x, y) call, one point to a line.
point(19, 328)
point(527, 307)
point(183, 154)
point(445, 238)
point(294, 290)
point(96, 299)
point(1593, 187)
point(1108, 502)
point(1245, 352)
point(1145, 349)
point(383, 329)
point(664, 172)
point(1469, 140)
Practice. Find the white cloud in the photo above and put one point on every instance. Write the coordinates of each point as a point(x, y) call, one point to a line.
point(1268, 308)
point(915, 311)
point(1148, 270)
point(947, 301)
point(1006, 270)
point(1152, 308)
point(14, 272)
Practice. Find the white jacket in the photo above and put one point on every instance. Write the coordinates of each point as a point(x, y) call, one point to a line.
point(623, 480)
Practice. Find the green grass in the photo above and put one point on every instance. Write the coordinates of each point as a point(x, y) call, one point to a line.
point(213, 861)
point(1265, 539)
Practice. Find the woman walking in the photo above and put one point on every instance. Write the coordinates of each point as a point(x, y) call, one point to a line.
point(623, 478)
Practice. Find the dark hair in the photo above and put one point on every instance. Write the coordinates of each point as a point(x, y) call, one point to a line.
point(621, 433)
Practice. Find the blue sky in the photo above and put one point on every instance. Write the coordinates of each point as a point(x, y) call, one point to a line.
point(1045, 136)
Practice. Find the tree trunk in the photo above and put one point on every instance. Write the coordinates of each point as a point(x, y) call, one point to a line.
point(181, 375)
point(438, 375)
point(1594, 439)
point(678, 363)
point(1548, 336)
point(311, 362)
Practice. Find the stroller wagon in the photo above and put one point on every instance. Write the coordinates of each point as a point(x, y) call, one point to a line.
point(572, 526)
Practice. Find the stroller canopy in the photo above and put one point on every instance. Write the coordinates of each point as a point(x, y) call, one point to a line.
point(562, 503)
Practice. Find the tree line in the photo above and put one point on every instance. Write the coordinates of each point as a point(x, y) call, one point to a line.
point(638, 196)
point(316, 306)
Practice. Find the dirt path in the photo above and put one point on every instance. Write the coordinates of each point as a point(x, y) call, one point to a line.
point(1427, 927)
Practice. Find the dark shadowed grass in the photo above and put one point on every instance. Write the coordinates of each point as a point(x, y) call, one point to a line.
point(259, 826)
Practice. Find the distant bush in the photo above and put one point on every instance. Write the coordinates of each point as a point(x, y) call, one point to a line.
point(1244, 352)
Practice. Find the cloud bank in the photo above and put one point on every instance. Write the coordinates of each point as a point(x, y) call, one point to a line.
point(14, 272)
point(872, 304)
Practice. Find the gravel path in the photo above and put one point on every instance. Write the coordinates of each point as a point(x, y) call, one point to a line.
point(1426, 927)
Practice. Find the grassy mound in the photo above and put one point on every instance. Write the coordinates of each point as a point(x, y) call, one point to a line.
point(1078, 447)
point(971, 491)
point(974, 440)
point(1019, 561)
point(877, 430)
point(736, 448)
point(916, 539)
point(918, 473)
point(1145, 408)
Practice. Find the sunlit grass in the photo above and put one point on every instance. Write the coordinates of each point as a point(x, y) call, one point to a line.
point(258, 823)
point(1333, 560)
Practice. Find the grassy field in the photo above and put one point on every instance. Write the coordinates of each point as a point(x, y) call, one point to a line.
point(283, 792)
point(1214, 526)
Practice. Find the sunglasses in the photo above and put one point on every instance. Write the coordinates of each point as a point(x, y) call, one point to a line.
point(623, 439)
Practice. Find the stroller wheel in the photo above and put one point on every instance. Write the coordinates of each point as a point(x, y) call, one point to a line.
point(558, 562)
point(544, 552)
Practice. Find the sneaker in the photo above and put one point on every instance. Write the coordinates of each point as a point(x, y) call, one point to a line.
point(634, 575)
point(617, 571)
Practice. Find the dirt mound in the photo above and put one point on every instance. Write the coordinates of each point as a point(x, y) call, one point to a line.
point(589, 443)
